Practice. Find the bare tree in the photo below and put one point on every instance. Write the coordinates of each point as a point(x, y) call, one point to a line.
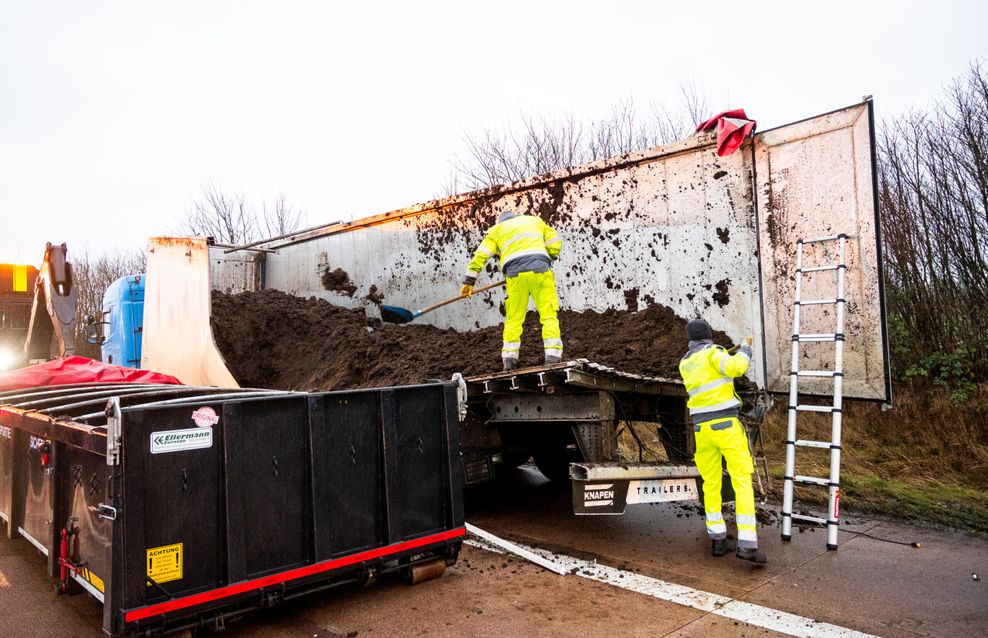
point(541, 145)
point(230, 219)
point(279, 218)
point(934, 201)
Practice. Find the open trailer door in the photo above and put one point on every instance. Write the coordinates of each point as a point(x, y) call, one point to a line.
point(817, 178)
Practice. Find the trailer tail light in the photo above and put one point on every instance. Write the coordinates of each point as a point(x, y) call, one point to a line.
point(45, 450)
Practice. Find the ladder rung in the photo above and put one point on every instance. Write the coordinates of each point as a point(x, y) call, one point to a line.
point(815, 408)
point(808, 443)
point(818, 240)
point(819, 373)
point(812, 480)
point(809, 519)
point(819, 302)
point(810, 337)
point(822, 268)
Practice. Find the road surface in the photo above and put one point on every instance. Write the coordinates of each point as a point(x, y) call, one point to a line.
point(647, 573)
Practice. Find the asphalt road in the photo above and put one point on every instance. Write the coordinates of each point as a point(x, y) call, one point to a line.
point(657, 557)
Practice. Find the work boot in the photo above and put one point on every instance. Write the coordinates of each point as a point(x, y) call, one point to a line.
point(510, 364)
point(718, 547)
point(551, 359)
point(751, 554)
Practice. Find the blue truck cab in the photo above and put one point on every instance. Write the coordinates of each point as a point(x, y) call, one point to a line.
point(122, 322)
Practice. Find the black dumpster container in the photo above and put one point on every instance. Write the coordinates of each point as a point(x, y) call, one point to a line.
point(178, 506)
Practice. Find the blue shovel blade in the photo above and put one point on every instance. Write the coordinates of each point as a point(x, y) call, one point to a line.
point(394, 314)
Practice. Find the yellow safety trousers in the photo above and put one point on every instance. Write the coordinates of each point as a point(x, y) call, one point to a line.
point(541, 287)
point(726, 438)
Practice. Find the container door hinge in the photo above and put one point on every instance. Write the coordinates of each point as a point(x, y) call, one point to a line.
point(461, 395)
point(113, 430)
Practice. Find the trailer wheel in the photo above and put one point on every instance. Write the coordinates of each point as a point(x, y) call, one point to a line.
point(553, 461)
point(516, 458)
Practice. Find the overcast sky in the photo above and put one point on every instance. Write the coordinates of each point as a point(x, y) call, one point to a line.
point(113, 115)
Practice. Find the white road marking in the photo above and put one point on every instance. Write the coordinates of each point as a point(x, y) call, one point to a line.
point(757, 615)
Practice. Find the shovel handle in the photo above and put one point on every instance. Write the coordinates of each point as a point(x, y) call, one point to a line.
point(457, 298)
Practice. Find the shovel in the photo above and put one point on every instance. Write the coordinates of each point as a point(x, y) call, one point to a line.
point(394, 314)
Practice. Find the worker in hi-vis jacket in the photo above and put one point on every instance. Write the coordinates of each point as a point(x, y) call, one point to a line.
point(709, 371)
point(527, 246)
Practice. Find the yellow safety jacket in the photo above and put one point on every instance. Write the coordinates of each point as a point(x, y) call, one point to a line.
point(513, 238)
point(708, 371)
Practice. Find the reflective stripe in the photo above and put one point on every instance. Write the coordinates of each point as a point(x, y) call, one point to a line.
point(517, 238)
point(716, 528)
point(713, 408)
point(746, 519)
point(723, 362)
point(714, 416)
point(709, 386)
point(713, 517)
point(552, 342)
point(511, 346)
point(553, 241)
point(522, 253)
point(747, 535)
point(485, 250)
point(472, 273)
point(747, 357)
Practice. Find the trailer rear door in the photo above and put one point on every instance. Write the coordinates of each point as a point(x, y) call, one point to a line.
point(817, 178)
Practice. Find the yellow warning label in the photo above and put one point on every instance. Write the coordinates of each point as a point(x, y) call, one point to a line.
point(165, 563)
point(94, 580)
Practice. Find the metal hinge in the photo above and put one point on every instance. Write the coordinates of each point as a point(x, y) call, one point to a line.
point(105, 511)
point(461, 395)
point(113, 430)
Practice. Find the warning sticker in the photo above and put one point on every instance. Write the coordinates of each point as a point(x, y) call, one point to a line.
point(165, 563)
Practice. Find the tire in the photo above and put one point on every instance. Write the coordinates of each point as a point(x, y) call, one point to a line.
point(553, 461)
point(515, 458)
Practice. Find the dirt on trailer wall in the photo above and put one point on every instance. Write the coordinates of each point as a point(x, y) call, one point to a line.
point(274, 340)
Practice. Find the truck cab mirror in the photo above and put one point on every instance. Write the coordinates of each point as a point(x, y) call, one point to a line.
point(93, 335)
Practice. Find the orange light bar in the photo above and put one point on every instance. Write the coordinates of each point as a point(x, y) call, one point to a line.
point(20, 278)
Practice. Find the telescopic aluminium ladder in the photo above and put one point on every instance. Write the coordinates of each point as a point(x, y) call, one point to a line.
point(837, 375)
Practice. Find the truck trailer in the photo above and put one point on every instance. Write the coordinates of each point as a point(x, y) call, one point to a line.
point(676, 225)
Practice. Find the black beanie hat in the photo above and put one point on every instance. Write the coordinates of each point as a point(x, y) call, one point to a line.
point(698, 329)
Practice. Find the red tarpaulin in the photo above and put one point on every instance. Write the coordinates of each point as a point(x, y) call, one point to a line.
point(732, 128)
point(77, 370)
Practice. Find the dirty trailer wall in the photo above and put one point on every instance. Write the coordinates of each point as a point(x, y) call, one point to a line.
point(674, 225)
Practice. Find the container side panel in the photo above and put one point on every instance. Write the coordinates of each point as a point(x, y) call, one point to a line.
point(173, 500)
point(270, 453)
point(346, 464)
point(38, 497)
point(672, 225)
point(235, 272)
point(83, 490)
point(6, 471)
point(422, 471)
point(815, 179)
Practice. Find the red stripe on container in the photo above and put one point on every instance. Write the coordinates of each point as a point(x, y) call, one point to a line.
point(276, 579)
